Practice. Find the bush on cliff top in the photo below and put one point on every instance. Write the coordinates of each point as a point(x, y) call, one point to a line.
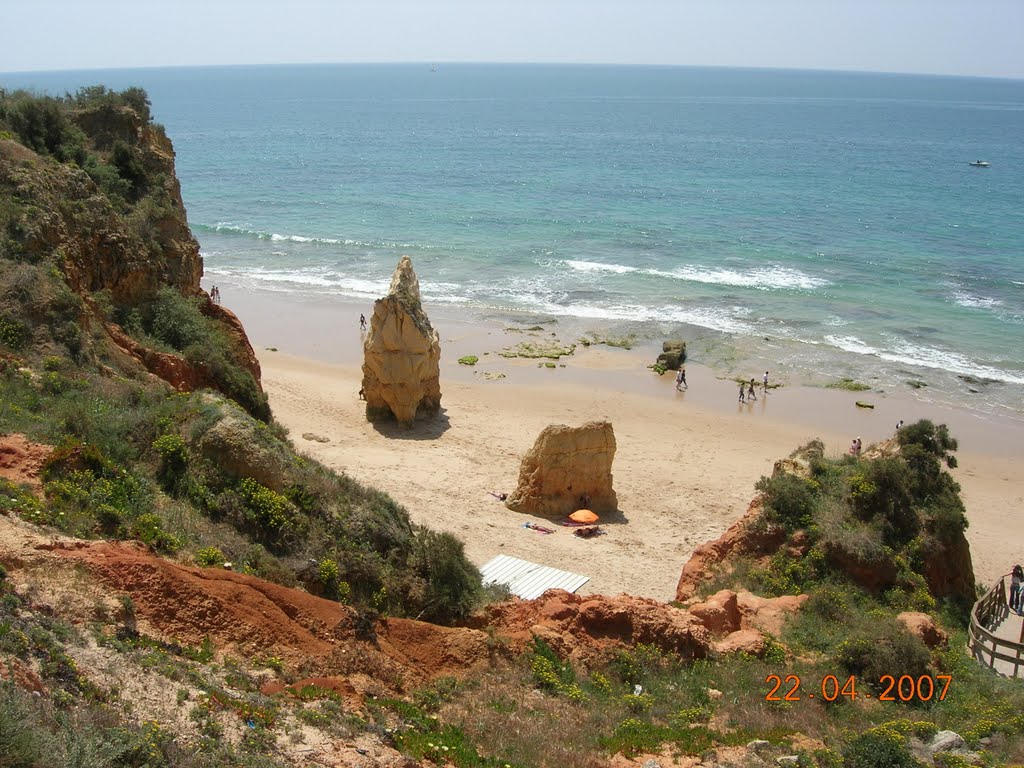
point(877, 523)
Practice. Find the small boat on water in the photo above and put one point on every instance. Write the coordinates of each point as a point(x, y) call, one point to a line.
point(980, 163)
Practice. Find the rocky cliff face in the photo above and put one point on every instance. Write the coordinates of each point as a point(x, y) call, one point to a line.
point(567, 468)
point(69, 216)
point(401, 354)
point(115, 245)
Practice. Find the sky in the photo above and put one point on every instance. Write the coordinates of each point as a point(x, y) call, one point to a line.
point(958, 37)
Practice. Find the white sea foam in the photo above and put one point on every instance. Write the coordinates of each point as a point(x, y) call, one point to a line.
point(319, 278)
point(851, 344)
point(761, 278)
point(944, 359)
point(725, 319)
point(276, 237)
point(594, 266)
point(902, 351)
point(965, 299)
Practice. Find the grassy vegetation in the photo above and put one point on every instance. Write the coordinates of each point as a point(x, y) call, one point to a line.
point(585, 715)
point(469, 360)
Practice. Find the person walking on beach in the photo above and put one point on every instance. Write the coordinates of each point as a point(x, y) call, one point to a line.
point(1016, 583)
point(766, 382)
point(362, 322)
point(751, 395)
point(742, 390)
point(682, 377)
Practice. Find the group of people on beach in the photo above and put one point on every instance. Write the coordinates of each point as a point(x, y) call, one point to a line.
point(215, 295)
point(747, 392)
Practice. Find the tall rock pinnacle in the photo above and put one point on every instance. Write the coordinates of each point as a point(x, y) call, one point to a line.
point(401, 354)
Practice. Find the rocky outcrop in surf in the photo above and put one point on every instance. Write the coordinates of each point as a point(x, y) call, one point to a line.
point(401, 354)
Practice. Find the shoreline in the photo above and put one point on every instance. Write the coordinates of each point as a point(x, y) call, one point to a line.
point(685, 465)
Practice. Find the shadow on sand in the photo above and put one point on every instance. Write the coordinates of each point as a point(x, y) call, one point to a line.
point(425, 427)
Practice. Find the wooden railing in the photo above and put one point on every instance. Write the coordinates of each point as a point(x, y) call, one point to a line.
point(986, 615)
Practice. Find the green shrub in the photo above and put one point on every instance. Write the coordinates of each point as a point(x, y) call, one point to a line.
point(13, 334)
point(935, 440)
point(879, 748)
point(209, 557)
point(882, 493)
point(41, 124)
point(128, 162)
point(887, 648)
point(329, 576)
point(788, 499)
point(452, 583)
point(173, 452)
point(267, 510)
point(148, 528)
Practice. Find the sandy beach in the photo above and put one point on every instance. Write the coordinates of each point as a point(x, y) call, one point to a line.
point(685, 465)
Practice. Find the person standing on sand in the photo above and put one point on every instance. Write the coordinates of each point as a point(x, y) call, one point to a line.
point(766, 382)
point(1016, 583)
point(682, 377)
point(742, 390)
point(751, 395)
point(362, 322)
point(679, 379)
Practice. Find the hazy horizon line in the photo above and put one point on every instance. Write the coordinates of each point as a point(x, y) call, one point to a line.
point(440, 63)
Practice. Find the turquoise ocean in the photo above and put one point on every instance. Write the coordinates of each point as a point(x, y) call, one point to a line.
point(822, 224)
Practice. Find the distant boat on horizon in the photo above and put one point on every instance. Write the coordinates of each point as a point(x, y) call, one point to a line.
point(980, 163)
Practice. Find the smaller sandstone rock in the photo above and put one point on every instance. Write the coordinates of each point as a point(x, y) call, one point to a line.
point(758, 744)
point(787, 760)
point(568, 467)
point(315, 437)
point(714, 694)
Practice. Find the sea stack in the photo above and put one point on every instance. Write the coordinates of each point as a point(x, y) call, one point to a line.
point(401, 354)
point(567, 468)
